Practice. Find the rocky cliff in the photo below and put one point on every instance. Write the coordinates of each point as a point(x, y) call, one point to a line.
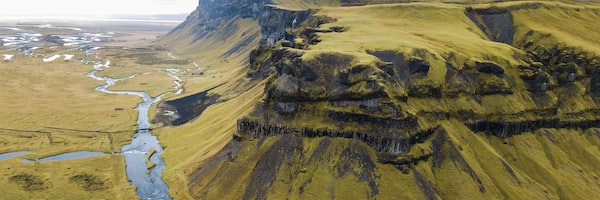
point(419, 101)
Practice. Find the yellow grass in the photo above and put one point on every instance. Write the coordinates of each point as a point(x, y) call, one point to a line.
point(58, 95)
point(581, 21)
point(154, 84)
point(53, 107)
point(56, 175)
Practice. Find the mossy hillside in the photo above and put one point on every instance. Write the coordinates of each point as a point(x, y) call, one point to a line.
point(221, 46)
point(485, 169)
point(463, 165)
point(452, 45)
point(498, 95)
point(579, 19)
point(224, 52)
point(186, 146)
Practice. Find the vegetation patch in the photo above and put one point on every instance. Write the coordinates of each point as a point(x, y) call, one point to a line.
point(89, 182)
point(29, 182)
point(149, 163)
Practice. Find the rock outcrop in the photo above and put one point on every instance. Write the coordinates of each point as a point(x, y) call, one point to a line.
point(500, 112)
point(333, 90)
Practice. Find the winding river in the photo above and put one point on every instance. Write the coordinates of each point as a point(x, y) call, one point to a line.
point(149, 185)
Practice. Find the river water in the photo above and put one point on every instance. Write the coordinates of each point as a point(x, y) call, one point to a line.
point(149, 185)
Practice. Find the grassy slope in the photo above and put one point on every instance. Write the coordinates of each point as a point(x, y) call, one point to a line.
point(535, 167)
point(580, 20)
point(211, 51)
point(187, 145)
point(528, 166)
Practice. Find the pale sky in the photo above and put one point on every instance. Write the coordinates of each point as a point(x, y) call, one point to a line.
point(94, 8)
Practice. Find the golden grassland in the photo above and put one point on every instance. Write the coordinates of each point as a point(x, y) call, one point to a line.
point(134, 39)
point(52, 108)
point(104, 178)
point(55, 96)
point(154, 84)
point(125, 62)
point(58, 100)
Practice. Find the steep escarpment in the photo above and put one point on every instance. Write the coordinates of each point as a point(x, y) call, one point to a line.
point(230, 29)
point(444, 101)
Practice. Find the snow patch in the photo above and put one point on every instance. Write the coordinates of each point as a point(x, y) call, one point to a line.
point(52, 58)
point(8, 57)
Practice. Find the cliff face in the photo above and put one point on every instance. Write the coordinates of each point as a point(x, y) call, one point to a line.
point(444, 101)
point(209, 15)
point(224, 28)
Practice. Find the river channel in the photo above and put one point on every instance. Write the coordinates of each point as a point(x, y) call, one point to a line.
point(149, 185)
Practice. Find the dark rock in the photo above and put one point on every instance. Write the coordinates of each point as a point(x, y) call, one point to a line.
point(424, 87)
point(287, 43)
point(274, 22)
point(418, 66)
point(186, 108)
point(286, 107)
point(489, 68)
point(393, 144)
point(308, 74)
point(285, 88)
point(507, 129)
point(595, 83)
point(496, 23)
point(355, 154)
point(528, 72)
point(388, 68)
point(426, 186)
